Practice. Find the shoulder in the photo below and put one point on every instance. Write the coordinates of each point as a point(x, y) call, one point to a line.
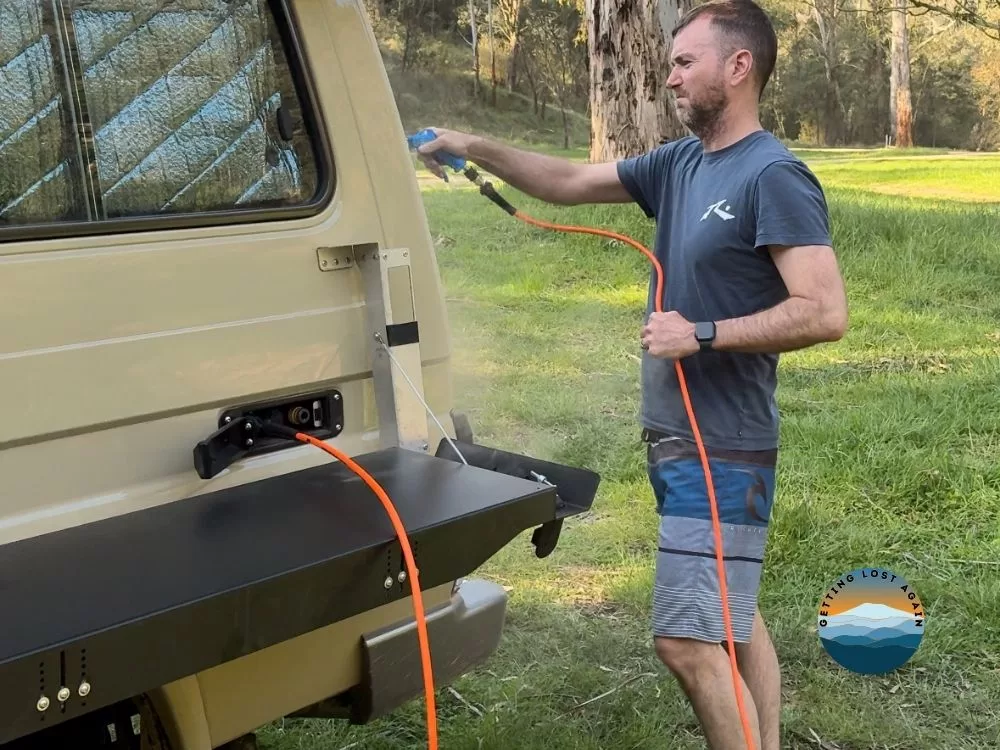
point(688, 148)
point(663, 153)
point(775, 174)
point(773, 160)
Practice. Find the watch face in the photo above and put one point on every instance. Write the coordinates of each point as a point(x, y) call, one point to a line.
point(704, 331)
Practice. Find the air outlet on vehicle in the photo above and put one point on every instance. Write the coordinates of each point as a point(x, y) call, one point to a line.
point(320, 415)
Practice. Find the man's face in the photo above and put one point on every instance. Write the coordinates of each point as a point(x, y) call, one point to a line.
point(697, 77)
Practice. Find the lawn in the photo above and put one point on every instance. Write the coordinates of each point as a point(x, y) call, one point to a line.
point(891, 458)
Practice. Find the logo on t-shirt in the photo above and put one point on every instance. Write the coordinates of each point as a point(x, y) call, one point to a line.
point(717, 209)
point(871, 621)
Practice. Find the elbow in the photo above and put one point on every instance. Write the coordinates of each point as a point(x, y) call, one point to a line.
point(834, 324)
point(564, 195)
point(561, 199)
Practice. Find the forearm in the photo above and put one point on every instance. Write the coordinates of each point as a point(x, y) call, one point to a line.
point(540, 176)
point(793, 324)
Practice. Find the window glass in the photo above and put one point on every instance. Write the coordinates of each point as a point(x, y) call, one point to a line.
point(39, 180)
point(181, 106)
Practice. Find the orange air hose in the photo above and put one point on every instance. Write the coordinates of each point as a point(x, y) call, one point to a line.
point(412, 574)
point(720, 565)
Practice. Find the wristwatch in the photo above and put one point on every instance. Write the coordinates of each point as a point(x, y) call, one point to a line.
point(704, 333)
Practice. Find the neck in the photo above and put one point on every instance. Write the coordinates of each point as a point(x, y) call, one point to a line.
point(732, 127)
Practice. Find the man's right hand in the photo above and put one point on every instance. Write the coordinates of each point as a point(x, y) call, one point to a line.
point(451, 141)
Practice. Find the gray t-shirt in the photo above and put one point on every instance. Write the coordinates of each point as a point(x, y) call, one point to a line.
point(716, 213)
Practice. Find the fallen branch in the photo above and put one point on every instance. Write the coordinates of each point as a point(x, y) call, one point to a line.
point(957, 560)
point(465, 703)
point(613, 690)
point(359, 743)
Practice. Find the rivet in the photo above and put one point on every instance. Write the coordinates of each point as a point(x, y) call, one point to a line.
point(43, 704)
point(402, 576)
point(388, 582)
point(338, 427)
point(63, 694)
point(84, 689)
point(227, 420)
point(249, 442)
point(248, 427)
point(336, 397)
point(336, 261)
point(323, 263)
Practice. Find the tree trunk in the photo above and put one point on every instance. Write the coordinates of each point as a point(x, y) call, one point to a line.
point(902, 110)
point(629, 46)
point(475, 49)
point(529, 71)
point(493, 53)
point(512, 62)
point(563, 89)
point(565, 124)
point(512, 14)
point(826, 15)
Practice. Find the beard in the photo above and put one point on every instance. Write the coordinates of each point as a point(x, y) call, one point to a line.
point(703, 116)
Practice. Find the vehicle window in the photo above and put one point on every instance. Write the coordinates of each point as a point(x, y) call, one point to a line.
point(159, 107)
point(40, 178)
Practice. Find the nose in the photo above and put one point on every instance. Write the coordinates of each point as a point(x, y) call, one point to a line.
point(674, 79)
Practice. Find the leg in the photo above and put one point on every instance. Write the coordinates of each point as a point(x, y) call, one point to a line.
point(758, 665)
point(689, 629)
point(704, 673)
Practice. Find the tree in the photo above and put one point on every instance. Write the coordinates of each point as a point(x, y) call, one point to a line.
point(827, 29)
point(555, 41)
point(474, 43)
point(629, 45)
point(510, 20)
point(900, 101)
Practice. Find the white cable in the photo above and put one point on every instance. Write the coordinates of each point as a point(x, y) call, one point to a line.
point(416, 393)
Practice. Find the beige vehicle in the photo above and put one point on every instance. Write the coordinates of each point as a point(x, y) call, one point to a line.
point(210, 225)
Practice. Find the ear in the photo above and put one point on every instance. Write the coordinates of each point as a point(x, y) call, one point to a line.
point(740, 67)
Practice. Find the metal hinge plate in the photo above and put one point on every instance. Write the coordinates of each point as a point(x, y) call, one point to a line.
point(335, 258)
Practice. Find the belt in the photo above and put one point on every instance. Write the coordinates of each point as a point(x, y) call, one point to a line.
point(652, 436)
point(687, 447)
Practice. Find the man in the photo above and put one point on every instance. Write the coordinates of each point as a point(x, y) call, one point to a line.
point(743, 236)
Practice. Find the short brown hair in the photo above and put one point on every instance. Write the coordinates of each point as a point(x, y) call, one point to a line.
point(745, 25)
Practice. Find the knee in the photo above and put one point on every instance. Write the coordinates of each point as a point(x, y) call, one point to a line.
point(683, 656)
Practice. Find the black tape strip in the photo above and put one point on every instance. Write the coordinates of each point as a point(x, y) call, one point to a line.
point(399, 334)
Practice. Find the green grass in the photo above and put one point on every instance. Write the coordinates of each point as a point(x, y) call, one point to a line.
point(947, 178)
point(891, 458)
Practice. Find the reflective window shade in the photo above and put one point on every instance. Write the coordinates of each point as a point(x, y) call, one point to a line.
point(40, 171)
point(157, 107)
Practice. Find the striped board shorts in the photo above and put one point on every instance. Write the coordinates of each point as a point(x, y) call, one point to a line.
point(686, 598)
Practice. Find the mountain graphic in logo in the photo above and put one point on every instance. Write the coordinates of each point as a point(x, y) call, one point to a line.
point(871, 621)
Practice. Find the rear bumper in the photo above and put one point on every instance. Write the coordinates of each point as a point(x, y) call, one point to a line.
point(463, 634)
point(134, 602)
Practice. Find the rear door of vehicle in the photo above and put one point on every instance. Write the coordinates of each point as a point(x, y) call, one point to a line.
point(170, 172)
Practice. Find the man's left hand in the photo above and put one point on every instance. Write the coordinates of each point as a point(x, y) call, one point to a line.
point(669, 335)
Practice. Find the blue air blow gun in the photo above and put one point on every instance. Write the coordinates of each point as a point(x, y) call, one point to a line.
point(427, 135)
point(459, 164)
